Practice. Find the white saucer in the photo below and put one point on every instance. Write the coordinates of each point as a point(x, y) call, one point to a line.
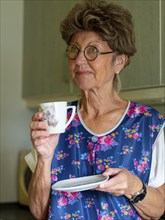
point(80, 183)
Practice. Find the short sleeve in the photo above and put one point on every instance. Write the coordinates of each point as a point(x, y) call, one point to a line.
point(157, 174)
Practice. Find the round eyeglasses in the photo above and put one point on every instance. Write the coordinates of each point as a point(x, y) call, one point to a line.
point(90, 52)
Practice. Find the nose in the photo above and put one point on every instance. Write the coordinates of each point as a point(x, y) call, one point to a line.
point(80, 58)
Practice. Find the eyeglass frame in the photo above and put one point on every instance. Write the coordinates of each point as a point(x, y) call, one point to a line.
point(79, 50)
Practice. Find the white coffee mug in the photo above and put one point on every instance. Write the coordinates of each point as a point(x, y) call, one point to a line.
point(55, 114)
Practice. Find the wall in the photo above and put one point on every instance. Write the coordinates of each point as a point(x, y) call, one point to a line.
point(15, 117)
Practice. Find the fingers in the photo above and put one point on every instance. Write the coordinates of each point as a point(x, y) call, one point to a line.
point(117, 184)
point(40, 141)
point(111, 172)
point(38, 129)
point(44, 142)
point(116, 190)
point(114, 182)
point(37, 116)
point(37, 123)
point(38, 134)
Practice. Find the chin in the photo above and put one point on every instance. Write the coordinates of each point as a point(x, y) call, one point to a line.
point(83, 84)
point(82, 87)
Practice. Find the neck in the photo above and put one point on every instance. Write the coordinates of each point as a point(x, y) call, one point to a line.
point(96, 103)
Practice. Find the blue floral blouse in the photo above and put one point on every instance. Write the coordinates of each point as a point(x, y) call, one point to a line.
point(82, 153)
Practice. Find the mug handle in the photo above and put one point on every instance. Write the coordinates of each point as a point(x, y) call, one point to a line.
point(72, 115)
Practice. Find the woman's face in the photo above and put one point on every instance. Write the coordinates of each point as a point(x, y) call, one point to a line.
point(91, 74)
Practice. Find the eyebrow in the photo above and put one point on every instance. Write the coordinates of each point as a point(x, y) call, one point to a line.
point(97, 42)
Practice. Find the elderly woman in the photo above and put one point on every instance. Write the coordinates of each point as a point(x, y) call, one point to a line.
point(108, 135)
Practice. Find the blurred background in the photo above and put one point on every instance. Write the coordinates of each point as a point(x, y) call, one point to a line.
point(33, 69)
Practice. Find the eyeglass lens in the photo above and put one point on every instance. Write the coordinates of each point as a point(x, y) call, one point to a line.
point(90, 52)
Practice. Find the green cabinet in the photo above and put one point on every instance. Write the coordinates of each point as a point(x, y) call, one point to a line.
point(45, 72)
point(146, 68)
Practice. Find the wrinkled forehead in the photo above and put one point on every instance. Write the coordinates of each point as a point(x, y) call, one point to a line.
point(85, 38)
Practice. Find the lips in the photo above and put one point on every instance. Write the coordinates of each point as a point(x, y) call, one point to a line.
point(82, 72)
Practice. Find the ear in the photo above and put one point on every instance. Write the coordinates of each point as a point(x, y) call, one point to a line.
point(120, 62)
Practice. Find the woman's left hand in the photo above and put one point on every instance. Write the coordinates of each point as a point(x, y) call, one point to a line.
point(121, 182)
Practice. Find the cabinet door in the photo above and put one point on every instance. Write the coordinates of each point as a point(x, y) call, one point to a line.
point(45, 69)
point(144, 69)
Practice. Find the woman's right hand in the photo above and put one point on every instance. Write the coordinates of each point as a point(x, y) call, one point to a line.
point(44, 142)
